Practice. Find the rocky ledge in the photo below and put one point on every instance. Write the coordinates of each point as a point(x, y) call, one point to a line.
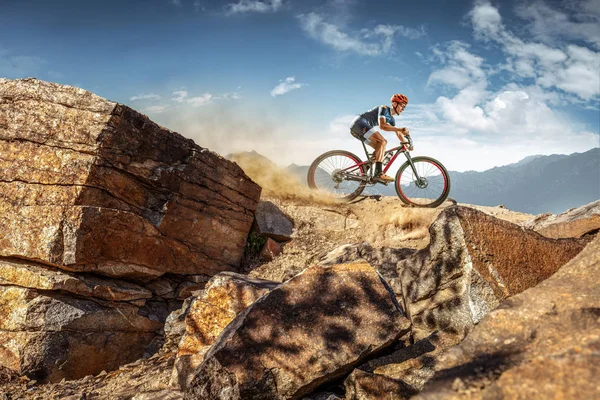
point(97, 203)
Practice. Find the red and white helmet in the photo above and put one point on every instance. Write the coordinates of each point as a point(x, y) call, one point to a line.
point(399, 98)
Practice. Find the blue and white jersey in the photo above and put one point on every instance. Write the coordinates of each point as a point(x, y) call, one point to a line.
point(372, 116)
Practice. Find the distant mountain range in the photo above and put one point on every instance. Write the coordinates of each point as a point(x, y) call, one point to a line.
point(536, 184)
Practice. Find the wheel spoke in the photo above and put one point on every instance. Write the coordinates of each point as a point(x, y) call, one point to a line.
point(329, 175)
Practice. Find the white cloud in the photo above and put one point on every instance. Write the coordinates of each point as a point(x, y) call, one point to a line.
point(200, 100)
point(463, 68)
point(547, 23)
point(285, 86)
point(517, 117)
point(247, 6)
point(370, 42)
point(229, 96)
point(176, 3)
point(180, 95)
point(572, 69)
point(150, 96)
point(156, 109)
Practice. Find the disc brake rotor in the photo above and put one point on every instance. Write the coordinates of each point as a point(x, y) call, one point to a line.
point(421, 183)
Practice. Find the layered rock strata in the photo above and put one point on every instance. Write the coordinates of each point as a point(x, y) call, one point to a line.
point(107, 221)
point(91, 185)
point(50, 335)
point(311, 329)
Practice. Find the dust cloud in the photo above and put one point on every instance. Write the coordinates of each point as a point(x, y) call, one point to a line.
point(277, 182)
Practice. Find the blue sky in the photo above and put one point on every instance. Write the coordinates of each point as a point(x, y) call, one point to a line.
point(488, 82)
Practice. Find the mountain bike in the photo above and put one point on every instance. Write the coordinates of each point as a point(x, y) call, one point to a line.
point(421, 181)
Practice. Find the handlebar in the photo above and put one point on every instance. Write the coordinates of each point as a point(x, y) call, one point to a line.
point(409, 143)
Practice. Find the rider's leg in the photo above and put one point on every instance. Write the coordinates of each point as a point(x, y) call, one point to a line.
point(380, 146)
point(379, 143)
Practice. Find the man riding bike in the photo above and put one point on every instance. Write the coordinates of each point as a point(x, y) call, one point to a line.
point(366, 128)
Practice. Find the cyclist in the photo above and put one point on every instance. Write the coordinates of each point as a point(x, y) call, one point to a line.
point(366, 128)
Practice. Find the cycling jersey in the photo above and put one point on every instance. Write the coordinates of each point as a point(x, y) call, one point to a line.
point(362, 127)
point(372, 116)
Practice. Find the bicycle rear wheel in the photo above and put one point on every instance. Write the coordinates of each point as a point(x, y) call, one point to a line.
point(333, 172)
point(429, 190)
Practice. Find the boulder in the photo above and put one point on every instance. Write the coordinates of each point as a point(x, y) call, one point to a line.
point(225, 296)
point(384, 259)
point(270, 250)
point(313, 328)
point(91, 185)
point(570, 224)
point(541, 343)
point(53, 335)
point(272, 222)
point(473, 262)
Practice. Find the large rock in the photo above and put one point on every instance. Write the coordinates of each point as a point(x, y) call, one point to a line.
point(573, 223)
point(224, 297)
point(311, 329)
point(473, 262)
point(542, 343)
point(52, 335)
point(272, 222)
point(87, 184)
point(384, 259)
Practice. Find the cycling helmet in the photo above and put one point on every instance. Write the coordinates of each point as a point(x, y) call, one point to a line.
point(399, 98)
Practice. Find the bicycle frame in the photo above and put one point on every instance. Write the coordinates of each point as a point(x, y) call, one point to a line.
point(397, 150)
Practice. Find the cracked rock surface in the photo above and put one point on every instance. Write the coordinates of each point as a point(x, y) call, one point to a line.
point(91, 185)
point(107, 221)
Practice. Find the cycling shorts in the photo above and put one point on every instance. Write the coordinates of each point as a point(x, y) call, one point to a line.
point(362, 129)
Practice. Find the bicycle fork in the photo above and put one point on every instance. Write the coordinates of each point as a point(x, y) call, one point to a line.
point(419, 182)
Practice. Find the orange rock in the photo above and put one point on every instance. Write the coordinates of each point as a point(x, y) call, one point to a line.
point(224, 297)
point(309, 330)
point(91, 185)
point(570, 224)
point(270, 250)
point(542, 343)
point(475, 261)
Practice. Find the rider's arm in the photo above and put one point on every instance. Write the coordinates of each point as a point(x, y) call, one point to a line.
point(387, 127)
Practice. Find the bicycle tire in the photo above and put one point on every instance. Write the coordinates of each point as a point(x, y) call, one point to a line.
point(320, 184)
point(411, 200)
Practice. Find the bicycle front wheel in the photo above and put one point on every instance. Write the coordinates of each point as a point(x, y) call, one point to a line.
point(337, 173)
point(429, 187)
